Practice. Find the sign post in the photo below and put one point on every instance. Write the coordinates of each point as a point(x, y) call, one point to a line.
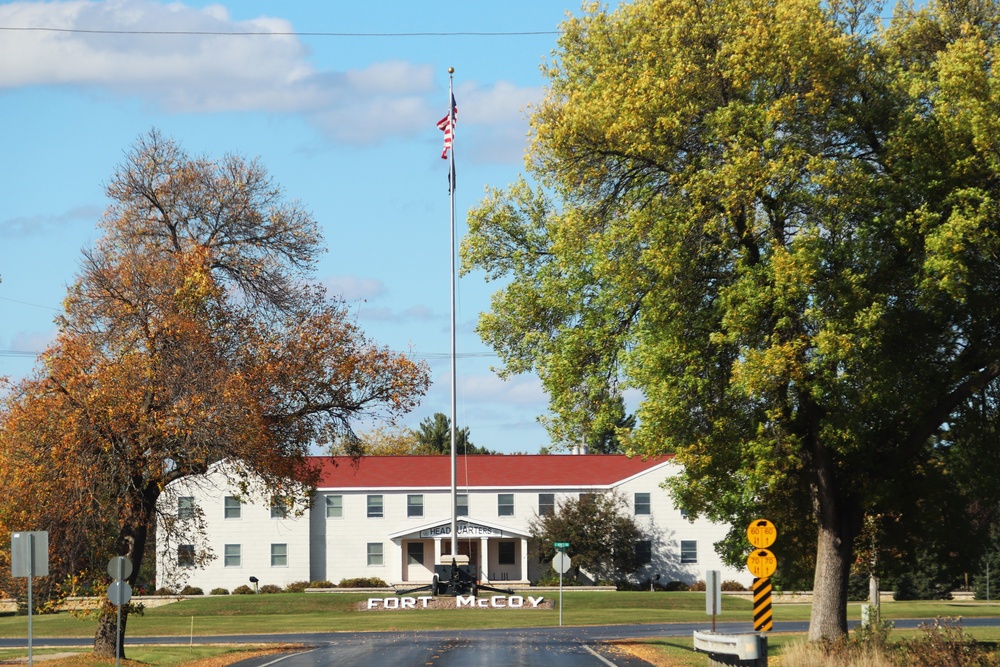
point(762, 564)
point(713, 594)
point(119, 593)
point(29, 557)
point(561, 562)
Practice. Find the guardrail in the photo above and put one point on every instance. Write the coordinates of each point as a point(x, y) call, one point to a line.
point(748, 650)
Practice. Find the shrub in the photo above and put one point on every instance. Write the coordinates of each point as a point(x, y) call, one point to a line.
point(243, 590)
point(698, 586)
point(297, 586)
point(219, 591)
point(362, 582)
point(944, 643)
point(270, 588)
point(323, 583)
point(675, 586)
point(164, 591)
point(192, 590)
point(731, 585)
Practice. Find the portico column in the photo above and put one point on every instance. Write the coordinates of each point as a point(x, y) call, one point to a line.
point(524, 559)
point(484, 558)
point(437, 550)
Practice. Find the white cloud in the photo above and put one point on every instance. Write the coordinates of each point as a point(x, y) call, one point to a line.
point(40, 225)
point(208, 73)
point(32, 341)
point(353, 288)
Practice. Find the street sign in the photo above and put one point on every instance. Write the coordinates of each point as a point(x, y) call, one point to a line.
point(561, 546)
point(762, 563)
point(762, 533)
point(29, 554)
point(119, 592)
point(119, 567)
point(561, 563)
point(713, 593)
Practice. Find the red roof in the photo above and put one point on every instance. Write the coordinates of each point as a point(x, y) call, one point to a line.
point(501, 471)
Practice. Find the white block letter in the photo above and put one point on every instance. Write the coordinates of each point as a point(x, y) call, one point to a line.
point(465, 600)
point(535, 601)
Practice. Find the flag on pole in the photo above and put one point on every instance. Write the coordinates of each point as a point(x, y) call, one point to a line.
point(447, 124)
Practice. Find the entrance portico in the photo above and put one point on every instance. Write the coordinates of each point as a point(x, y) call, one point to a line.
point(498, 553)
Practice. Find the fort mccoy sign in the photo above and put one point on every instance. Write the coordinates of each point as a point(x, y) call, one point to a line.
point(457, 602)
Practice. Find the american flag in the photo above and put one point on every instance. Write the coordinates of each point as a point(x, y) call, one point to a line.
point(447, 124)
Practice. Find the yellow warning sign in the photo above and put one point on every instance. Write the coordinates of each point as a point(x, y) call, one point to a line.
point(762, 533)
point(762, 563)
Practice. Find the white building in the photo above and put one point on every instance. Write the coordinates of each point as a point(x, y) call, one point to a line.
point(389, 517)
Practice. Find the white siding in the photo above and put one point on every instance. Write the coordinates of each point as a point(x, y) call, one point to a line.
point(321, 548)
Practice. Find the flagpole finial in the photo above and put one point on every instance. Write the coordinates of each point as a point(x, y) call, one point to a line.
point(451, 70)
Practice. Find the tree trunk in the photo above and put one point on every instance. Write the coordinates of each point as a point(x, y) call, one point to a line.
point(838, 517)
point(131, 543)
point(833, 567)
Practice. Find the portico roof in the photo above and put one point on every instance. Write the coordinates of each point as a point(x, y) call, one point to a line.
point(472, 528)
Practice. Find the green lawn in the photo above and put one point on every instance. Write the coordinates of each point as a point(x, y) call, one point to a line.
point(313, 612)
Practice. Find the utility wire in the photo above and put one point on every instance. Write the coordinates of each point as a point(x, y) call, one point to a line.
point(251, 33)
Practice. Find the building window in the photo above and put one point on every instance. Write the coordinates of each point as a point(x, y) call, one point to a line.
point(643, 552)
point(375, 553)
point(641, 504)
point(505, 504)
point(689, 551)
point(185, 507)
point(233, 508)
point(415, 505)
point(231, 555)
point(415, 553)
point(185, 555)
point(279, 509)
point(279, 555)
point(462, 504)
point(505, 553)
point(375, 507)
point(335, 507)
point(546, 504)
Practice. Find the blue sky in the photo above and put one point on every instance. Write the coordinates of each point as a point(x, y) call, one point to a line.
point(346, 124)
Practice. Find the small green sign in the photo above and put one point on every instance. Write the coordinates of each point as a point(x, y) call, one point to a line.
point(561, 545)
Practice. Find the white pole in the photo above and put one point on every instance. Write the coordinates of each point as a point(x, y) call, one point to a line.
point(454, 372)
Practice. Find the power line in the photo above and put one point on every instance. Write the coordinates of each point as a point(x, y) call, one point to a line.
point(261, 33)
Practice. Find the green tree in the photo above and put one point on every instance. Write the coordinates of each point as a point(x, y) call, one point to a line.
point(600, 530)
point(434, 437)
point(779, 222)
point(190, 337)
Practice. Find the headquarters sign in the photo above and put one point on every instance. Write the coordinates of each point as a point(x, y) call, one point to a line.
point(464, 529)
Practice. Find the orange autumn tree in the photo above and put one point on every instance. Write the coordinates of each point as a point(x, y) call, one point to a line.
point(191, 336)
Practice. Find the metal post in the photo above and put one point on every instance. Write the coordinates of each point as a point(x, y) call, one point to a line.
point(560, 597)
point(31, 575)
point(454, 372)
point(118, 626)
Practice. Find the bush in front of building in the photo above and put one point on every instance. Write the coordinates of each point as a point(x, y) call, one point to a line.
point(730, 585)
point(697, 586)
point(218, 591)
point(243, 589)
point(164, 591)
point(192, 590)
point(362, 582)
point(271, 588)
point(322, 583)
point(297, 587)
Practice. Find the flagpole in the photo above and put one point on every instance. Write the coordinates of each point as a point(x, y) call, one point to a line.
point(454, 373)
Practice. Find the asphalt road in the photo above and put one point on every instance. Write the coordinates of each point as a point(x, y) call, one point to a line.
point(516, 647)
